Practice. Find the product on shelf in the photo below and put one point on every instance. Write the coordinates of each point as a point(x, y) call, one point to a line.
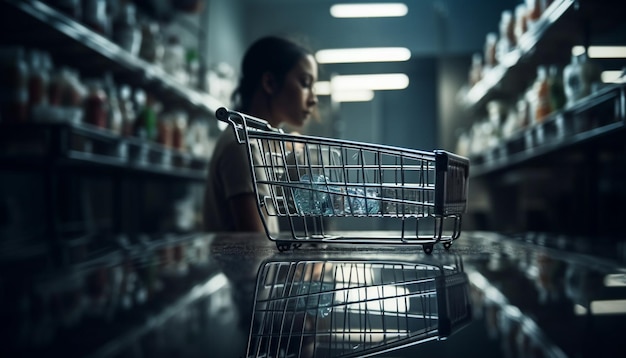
point(507, 41)
point(127, 109)
point(95, 16)
point(578, 77)
point(174, 59)
point(521, 21)
point(115, 120)
point(491, 43)
point(165, 130)
point(534, 10)
point(179, 130)
point(476, 70)
point(126, 31)
point(39, 77)
point(152, 47)
point(96, 104)
point(541, 95)
point(14, 86)
point(555, 84)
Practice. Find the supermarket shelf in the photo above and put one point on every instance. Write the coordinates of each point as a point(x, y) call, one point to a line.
point(102, 54)
point(80, 146)
point(564, 24)
point(599, 115)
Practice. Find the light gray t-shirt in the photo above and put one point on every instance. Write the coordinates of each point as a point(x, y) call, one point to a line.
point(229, 176)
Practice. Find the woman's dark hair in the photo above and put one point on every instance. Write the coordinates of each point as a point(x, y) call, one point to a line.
point(272, 54)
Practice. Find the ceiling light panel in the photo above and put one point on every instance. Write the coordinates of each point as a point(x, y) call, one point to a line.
point(387, 81)
point(369, 10)
point(600, 51)
point(367, 54)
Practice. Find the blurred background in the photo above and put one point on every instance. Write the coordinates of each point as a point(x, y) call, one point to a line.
point(107, 118)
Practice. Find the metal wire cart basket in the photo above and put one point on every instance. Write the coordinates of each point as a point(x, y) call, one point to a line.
point(354, 308)
point(306, 179)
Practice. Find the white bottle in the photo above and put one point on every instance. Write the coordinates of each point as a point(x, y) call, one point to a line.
point(578, 77)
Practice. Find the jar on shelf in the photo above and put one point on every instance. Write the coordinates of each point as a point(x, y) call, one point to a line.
point(14, 87)
point(96, 106)
point(126, 30)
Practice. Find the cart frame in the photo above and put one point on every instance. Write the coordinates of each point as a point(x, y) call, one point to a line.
point(308, 179)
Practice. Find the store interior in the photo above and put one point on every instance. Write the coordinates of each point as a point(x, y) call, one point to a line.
point(108, 124)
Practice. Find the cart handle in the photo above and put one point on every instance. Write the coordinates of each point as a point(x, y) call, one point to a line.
point(226, 115)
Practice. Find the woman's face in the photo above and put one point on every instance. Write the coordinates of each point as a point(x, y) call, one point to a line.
point(294, 100)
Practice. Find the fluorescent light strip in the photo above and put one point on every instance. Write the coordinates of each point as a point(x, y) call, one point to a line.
point(612, 76)
point(369, 10)
point(367, 54)
point(390, 81)
point(601, 51)
point(322, 88)
point(353, 96)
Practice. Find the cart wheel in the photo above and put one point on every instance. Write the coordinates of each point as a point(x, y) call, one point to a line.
point(428, 248)
point(447, 245)
point(283, 246)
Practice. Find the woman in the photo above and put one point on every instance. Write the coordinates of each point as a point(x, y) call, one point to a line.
point(276, 84)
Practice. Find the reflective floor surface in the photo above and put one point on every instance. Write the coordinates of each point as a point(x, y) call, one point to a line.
point(212, 295)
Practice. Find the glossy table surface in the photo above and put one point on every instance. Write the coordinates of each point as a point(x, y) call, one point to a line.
point(226, 295)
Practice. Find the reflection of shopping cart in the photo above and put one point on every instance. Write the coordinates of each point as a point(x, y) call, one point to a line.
point(305, 179)
point(354, 308)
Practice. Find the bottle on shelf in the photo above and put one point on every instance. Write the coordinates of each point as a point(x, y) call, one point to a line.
point(491, 42)
point(38, 79)
point(507, 40)
point(555, 84)
point(578, 77)
point(126, 31)
point(534, 10)
point(521, 22)
point(476, 69)
point(95, 16)
point(115, 121)
point(541, 89)
point(127, 108)
point(146, 122)
point(151, 48)
point(96, 105)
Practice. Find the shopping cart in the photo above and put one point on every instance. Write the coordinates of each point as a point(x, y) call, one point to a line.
point(354, 308)
point(307, 179)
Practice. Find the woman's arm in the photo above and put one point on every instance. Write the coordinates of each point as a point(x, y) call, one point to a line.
point(244, 210)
